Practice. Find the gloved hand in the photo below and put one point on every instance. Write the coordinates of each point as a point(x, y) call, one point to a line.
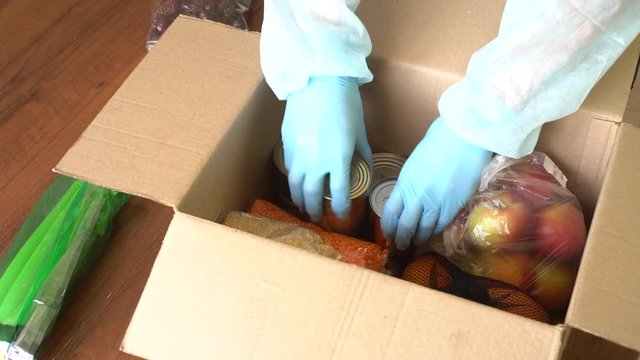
point(323, 125)
point(436, 181)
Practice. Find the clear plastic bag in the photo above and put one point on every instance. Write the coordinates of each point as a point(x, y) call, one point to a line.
point(523, 227)
point(351, 250)
point(280, 231)
point(230, 12)
point(60, 239)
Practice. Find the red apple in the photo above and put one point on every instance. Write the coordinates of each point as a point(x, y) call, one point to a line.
point(534, 171)
point(499, 221)
point(530, 181)
point(553, 285)
point(540, 192)
point(512, 268)
point(561, 232)
point(534, 192)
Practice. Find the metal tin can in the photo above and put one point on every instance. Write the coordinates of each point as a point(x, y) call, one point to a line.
point(386, 165)
point(361, 179)
point(379, 195)
point(397, 258)
point(283, 199)
point(282, 184)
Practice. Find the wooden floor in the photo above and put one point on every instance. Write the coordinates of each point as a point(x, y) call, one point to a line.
point(60, 61)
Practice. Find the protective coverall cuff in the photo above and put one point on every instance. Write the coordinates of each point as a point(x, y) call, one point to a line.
point(484, 120)
point(283, 94)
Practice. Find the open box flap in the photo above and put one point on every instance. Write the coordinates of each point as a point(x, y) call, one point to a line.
point(228, 294)
point(632, 114)
point(438, 35)
point(606, 297)
point(157, 133)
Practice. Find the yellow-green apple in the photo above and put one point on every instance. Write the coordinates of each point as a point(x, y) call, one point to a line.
point(500, 221)
point(515, 268)
point(561, 231)
point(553, 285)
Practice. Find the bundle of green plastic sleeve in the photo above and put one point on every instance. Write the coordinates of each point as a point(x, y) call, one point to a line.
point(60, 239)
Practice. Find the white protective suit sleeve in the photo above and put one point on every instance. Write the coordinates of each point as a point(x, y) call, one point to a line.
point(547, 57)
point(305, 38)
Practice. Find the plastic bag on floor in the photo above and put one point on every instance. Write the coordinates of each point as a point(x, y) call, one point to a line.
point(230, 12)
point(61, 238)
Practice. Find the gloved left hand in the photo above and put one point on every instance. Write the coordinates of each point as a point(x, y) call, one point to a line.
point(435, 182)
point(322, 127)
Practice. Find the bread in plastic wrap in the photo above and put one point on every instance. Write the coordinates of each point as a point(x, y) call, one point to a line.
point(280, 231)
point(353, 251)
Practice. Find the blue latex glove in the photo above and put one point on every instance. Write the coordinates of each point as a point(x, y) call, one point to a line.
point(439, 177)
point(323, 125)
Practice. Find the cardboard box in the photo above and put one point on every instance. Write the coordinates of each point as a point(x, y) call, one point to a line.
point(193, 128)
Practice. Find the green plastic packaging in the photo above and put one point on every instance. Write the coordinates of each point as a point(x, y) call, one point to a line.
point(54, 247)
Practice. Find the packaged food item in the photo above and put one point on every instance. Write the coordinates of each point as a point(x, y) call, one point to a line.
point(436, 272)
point(230, 12)
point(60, 239)
point(361, 179)
point(386, 166)
point(351, 250)
point(397, 258)
point(523, 227)
point(284, 232)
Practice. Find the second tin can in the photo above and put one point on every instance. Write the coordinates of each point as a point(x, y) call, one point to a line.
point(386, 165)
point(378, 197)
point(361, 181)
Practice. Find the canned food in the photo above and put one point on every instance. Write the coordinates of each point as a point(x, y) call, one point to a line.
point(284, 201)
point(379, 195)
point(282, 184)
point(386, 166)
point(355, 221)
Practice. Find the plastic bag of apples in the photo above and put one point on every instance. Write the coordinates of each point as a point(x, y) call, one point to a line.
point(522, 227)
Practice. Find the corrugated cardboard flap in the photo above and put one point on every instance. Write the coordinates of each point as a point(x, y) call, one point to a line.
point(256, 298)
point(606, 298)
point(632, 114)
point(158, 131)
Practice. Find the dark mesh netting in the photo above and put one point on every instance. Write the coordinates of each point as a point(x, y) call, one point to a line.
point(436, 272)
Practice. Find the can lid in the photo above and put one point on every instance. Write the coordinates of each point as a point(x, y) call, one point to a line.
point(278, 158)
point(360, 173)
point(380, 193)
point(386, 165)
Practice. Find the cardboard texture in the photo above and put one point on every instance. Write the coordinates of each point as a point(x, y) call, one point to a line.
point(162, 126)
point(263, 299)
point(193, 128)
point(632, 114)
point(607, 295)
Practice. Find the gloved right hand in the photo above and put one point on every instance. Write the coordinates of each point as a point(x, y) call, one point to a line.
point(322, 127)
point(438, 178)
